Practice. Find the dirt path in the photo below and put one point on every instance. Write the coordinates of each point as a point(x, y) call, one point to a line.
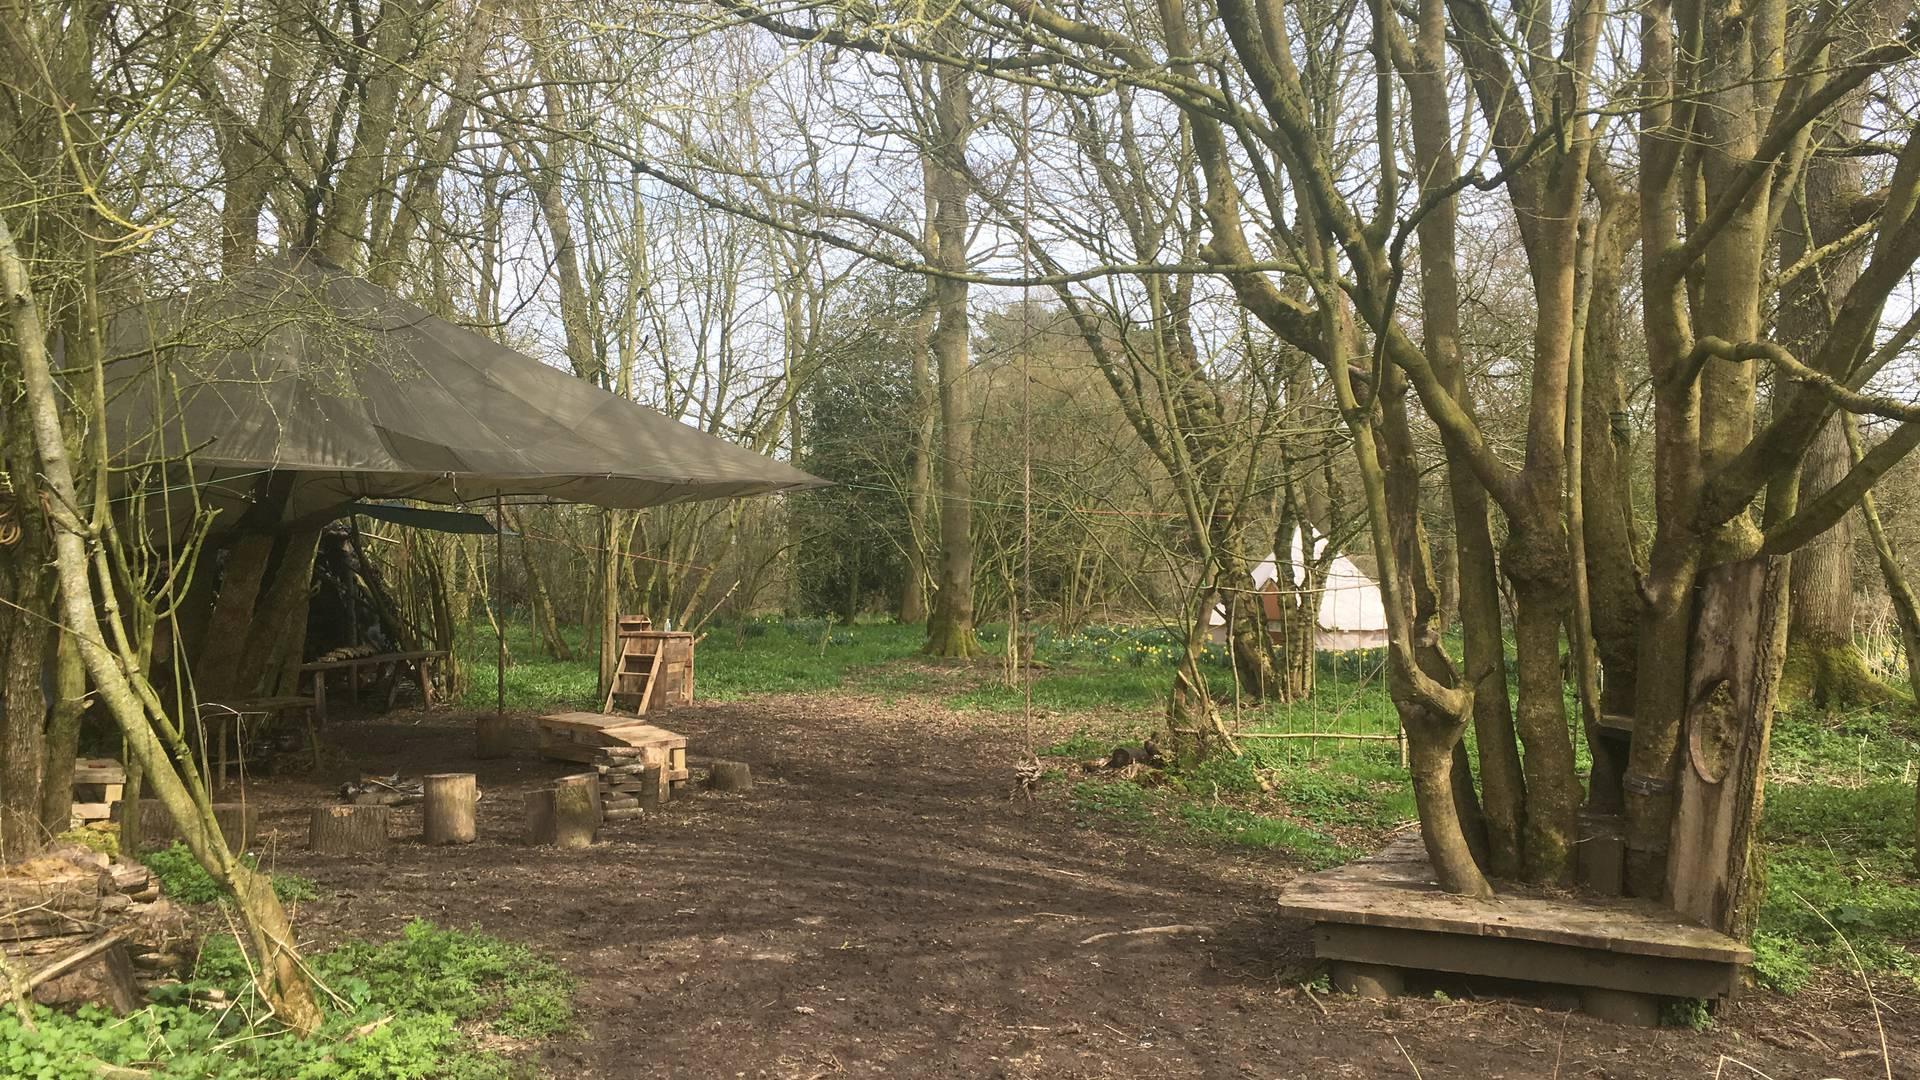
point(878, 905)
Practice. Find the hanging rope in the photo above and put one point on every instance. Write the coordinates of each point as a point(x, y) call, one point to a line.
point(1028, 769)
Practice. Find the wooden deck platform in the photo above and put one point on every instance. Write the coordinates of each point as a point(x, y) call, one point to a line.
point(1380, 917)
point(584, 737)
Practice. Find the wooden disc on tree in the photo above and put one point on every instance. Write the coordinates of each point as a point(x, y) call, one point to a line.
point(348, 830)
point(450, 799)
point(493, 737)
point(729, 776)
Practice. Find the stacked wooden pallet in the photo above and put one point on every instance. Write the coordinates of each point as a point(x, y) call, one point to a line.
point(97, 784)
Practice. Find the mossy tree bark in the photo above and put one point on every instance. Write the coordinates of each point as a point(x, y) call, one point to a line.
point(63, 736)
point(1826, 668)
point(950, 631)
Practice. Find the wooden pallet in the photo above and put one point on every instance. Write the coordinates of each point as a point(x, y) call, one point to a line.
point(654, 670)
point(588, 737)
point(1381, 917)
point(97, 785)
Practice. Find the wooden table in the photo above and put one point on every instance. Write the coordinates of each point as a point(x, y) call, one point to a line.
point(386, 663)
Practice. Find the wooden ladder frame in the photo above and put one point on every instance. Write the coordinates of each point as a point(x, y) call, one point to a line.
point(629, 647)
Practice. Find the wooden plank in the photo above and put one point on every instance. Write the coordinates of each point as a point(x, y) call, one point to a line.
point(1528, 961)
point(1395, 890)
point(640, 733)
point(592, 723)
point(373, 658)
point(568, 752)
point(98, 771)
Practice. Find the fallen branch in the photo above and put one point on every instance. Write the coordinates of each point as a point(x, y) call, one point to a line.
point(1171, 928)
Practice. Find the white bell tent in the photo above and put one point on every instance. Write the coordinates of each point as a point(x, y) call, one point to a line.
point(1351, 613)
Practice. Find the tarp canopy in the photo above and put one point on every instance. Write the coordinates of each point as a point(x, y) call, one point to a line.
point(297, 368)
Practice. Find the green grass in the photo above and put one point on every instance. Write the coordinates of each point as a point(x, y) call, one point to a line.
point(183, 879)
point(433, 1004)
point(759, 657)
point(1841, 884)
point(1078, 690)
point(1838, 829)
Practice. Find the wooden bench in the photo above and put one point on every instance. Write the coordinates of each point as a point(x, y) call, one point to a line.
point(584, 737)
point(385, 664)
point(229, 722)
point(1381, 917)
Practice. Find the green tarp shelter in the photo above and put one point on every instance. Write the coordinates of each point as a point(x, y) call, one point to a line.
point(298, 374)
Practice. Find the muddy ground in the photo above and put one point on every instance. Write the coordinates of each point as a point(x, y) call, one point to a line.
point(882, 904)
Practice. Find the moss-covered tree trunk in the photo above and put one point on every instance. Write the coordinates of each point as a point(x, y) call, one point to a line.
point(950, 631)
point(1824, 665)
point(63, 736)
point(27, 591)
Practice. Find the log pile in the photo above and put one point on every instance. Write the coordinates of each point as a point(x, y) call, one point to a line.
point(71, 902)
point(628, 783)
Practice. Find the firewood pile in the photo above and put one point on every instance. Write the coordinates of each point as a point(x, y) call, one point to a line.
point(80, 926)
point(625, 781)
point(393, 790)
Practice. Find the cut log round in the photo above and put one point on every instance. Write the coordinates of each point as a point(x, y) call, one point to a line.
point(729, 776)
point(450, 799)
point(493, 737)
point(566, 816)
point(588, 782)
point(348, 830)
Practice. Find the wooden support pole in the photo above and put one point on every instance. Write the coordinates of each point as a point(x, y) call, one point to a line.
point(348, 830)
point(450, 805)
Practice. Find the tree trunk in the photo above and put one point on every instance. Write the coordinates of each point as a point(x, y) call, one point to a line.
point(63, 736)
point(217, 675)
point(1738, 643)
point(277, 633)
point(363, 175)
point(282, 982)
point(544, 622)
point(1553, 789)
point(566, 815)
point(913, 598)
point(611, 547)
point(493, 737)
point(1825, 666)
point(730, 776)
point(950, 630)
point(22, 743)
